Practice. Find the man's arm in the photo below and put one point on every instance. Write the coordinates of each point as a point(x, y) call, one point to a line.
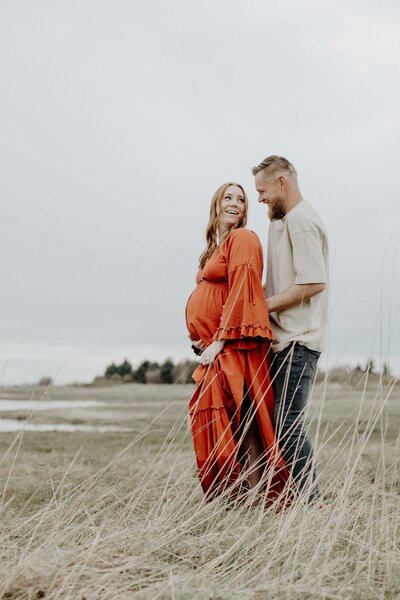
point(294, 295)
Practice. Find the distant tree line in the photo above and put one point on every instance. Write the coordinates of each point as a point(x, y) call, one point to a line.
point(152, 372)
point(181, 372)
point(371, 368)
point(355, 375)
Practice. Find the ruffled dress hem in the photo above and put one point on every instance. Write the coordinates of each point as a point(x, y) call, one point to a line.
point(243, 331)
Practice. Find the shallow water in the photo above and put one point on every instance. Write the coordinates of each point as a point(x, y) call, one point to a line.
point(10, 405)
point(37, 405)
point(16, 425)
point(7, 425)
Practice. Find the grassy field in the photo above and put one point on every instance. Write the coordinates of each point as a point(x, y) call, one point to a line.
point(120, 515)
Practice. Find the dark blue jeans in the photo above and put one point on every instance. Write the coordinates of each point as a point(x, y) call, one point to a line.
point(293, 370)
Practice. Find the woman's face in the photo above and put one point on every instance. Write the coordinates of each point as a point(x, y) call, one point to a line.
point(232, 207)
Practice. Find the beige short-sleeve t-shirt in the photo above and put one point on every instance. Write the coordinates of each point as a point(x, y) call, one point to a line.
point(298, 254)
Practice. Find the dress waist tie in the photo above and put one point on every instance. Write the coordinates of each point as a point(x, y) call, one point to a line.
point(250, 274)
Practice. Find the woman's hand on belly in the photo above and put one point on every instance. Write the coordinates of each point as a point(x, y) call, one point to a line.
point(211, 352)
point(197, 345)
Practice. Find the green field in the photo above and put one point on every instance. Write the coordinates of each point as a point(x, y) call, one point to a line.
point(119, 515)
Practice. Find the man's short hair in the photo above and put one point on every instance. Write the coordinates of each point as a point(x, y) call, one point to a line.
point(274, 164)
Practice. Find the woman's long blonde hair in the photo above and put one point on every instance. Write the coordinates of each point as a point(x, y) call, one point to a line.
point(212, 227)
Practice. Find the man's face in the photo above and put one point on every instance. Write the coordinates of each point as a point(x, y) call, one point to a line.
point(271, 192)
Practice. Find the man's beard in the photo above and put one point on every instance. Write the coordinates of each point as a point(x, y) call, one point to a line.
point(277, 211)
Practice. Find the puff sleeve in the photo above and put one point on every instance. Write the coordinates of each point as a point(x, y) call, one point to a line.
point(245, 313)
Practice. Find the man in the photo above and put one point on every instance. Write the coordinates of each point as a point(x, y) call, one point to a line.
point(297, 296)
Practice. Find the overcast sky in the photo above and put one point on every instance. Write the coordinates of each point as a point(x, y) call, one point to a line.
point(119, 119)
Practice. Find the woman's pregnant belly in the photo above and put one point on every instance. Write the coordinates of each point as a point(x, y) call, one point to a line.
point(204, 310)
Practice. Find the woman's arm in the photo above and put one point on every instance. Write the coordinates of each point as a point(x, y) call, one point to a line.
point(245, 315)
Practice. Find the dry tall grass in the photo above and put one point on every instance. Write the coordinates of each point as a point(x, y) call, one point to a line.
point(139, 526)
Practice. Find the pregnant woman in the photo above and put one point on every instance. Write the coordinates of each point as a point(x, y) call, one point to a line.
point(231, 411)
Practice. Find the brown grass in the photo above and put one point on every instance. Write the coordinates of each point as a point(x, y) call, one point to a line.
point(110, 516)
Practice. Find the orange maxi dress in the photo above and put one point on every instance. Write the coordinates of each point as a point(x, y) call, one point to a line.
point(229, 304)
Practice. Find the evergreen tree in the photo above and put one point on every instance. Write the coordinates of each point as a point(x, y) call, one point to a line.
point(111, 370)
point(166, 371)
point(386, 369)
point(125, 368)
point(140, 373)
point(370, 366)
